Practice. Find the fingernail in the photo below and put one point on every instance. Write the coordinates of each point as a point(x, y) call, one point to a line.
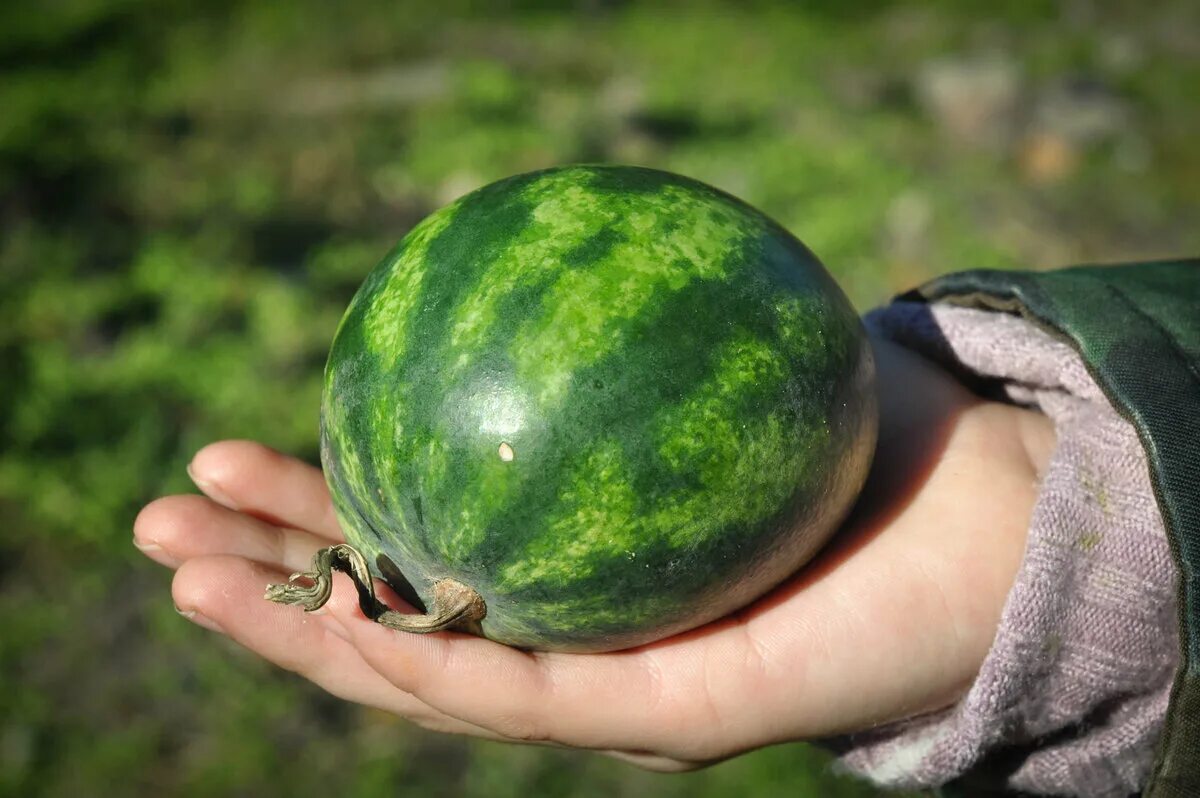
point(210, 489)
point(156, 553)
point(200, 620)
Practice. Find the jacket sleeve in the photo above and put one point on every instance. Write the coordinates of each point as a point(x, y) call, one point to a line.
point(1137, 329)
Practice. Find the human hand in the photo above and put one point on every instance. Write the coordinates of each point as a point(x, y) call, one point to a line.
point(892, 619)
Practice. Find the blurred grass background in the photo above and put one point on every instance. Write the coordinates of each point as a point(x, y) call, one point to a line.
point(190, 193)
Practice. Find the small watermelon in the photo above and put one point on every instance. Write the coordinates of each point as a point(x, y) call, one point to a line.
point(589, 407)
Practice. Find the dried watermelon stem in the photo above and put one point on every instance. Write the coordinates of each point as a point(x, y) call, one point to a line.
point(455, 605)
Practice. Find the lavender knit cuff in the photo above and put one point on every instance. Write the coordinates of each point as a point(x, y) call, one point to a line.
point(1072, 695)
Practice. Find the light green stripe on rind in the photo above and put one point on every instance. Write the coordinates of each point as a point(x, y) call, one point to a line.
point(377, 312)
point(365, 497)
point(696, 438)
point(562, 220)
point(395, 297)
point(385, 327)
point(673, 238)
point(728, 453)
point(564, 216)
point(597, 519)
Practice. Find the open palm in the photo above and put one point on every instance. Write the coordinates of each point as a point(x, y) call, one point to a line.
point(892, 619)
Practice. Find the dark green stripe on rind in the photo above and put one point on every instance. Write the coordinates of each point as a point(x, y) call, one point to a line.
point(677, 376)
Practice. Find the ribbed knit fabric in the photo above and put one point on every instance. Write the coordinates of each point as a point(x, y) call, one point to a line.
point(1072, 695)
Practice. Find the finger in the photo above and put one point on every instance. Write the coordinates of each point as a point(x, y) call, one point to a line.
point(613, 702)
point(222, 593)
point(344, 603)
point(178, 528)
point(255, 479)
point(225, 593)
point(312, 646)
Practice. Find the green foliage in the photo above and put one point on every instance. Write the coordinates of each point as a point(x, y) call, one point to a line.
point(190, 193)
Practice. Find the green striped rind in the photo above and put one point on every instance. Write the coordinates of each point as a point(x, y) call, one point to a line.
point(687, 394)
